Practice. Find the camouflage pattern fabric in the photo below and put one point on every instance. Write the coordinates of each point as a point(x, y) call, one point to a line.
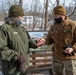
point(60, 67)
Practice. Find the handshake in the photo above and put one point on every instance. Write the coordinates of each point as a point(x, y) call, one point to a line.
point(68, 50)
point(20, 63)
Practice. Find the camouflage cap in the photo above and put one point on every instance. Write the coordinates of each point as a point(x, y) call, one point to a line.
point(59, 10)
point(15, 11)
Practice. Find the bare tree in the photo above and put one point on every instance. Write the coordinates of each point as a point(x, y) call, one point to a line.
point(5, 5)
point(58, 2)
point(43, 11)
point(46, 15)
point(4, 11)
point(73, 10)
point(63, 2)
point(34, 16)
point(21, 2)
point(38, 12)
point(35, 9)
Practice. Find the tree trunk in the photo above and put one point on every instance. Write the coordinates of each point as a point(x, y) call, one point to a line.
point(46, 15)
point(20, 2)
point(58, 2)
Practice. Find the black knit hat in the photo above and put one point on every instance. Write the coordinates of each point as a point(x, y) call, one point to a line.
point(15, 11)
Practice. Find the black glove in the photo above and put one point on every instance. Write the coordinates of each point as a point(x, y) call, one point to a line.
point(21, 63)
point(68, 46)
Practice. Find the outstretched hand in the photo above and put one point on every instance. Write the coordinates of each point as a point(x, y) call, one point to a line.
point(40, 42)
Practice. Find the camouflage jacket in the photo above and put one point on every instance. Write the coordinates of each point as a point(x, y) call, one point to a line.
point(61, 35)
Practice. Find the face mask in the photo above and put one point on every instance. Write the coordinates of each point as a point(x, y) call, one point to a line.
point(23, 22)
point(20, 21)
point(58, 20)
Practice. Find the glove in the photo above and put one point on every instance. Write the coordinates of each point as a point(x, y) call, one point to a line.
point(20, 62)
point(68, 46)
point(21, 58)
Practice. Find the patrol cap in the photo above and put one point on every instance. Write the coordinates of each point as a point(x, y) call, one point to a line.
point(15, 11)
point(59, 10)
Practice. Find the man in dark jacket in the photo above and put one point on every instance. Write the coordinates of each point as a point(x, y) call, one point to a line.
point(15, 43)
point(62, 34)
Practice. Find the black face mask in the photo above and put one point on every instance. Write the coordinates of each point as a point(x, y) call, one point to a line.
point(58, 20)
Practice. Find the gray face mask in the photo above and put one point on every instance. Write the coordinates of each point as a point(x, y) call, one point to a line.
point(15, 21)
point(23, 21)
point(20, 21)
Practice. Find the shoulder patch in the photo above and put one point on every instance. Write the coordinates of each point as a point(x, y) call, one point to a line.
point(15, 32)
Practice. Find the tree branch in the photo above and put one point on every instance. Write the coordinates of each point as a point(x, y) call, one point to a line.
point(72, 11)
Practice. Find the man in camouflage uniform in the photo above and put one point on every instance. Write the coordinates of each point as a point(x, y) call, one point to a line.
point(14, 43)
point(62, 34)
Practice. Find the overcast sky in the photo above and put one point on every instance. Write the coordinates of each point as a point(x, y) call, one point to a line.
point(27, 3)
